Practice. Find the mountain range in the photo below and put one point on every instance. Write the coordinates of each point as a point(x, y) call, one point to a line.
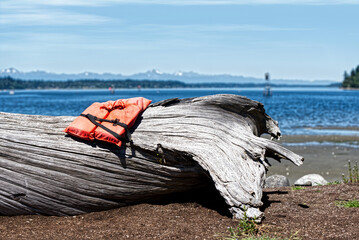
point(186, 77)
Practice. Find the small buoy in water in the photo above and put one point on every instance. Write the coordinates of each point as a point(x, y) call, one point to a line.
point(112, 90)
point(11, 92)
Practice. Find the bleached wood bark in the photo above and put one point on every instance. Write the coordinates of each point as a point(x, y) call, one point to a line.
point(177, 145)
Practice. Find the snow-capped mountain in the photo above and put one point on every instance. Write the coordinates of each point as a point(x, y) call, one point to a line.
point(154, 74)
point(9, 71)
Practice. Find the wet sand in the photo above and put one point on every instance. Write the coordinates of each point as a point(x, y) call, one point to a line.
point(324, 155)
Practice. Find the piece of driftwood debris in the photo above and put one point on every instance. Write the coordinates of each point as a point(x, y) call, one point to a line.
point(177, 145)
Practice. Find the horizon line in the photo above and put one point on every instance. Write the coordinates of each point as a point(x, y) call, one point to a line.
point(171, 73)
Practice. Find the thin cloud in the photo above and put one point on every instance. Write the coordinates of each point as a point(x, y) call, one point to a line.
point(50, 19)
point(240, 2)
point(213, 28)
point(36, 13)
point(94, 3)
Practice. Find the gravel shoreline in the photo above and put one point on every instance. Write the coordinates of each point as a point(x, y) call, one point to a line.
point(326, 155)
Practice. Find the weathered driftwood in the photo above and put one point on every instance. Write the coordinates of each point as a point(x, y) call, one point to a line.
point(177, 145)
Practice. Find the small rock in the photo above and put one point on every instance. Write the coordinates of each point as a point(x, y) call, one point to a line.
point(311, 180)
point(276, 181)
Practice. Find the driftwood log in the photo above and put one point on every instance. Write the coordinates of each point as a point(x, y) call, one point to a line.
point(177, 145)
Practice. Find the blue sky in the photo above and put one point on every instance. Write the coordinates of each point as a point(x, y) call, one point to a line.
point(295, 39)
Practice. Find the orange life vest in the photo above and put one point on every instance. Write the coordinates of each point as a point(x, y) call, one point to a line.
point(108, 121)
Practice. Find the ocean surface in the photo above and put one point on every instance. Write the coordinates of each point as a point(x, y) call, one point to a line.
point(298, 110)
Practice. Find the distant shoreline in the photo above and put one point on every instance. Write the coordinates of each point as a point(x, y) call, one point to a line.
point(350, 89)
point(144, 88)
point(8, 83)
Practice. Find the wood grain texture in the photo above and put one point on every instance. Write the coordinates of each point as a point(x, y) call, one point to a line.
point(177, 145)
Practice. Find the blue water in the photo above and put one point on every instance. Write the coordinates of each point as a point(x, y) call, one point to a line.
point(298, 110)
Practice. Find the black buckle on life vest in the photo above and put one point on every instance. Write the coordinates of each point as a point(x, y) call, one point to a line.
point(94, 119)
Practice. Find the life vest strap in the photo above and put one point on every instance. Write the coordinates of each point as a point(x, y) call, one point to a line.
point(94, 119)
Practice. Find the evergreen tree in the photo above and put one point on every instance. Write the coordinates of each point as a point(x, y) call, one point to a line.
point(352, 80)
point(346, 75)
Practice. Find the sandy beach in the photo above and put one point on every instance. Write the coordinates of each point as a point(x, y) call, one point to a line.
point(326, 155)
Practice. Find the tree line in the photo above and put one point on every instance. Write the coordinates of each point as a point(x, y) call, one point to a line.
point(17, 84)
point(10, 83)
point(351, 80)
